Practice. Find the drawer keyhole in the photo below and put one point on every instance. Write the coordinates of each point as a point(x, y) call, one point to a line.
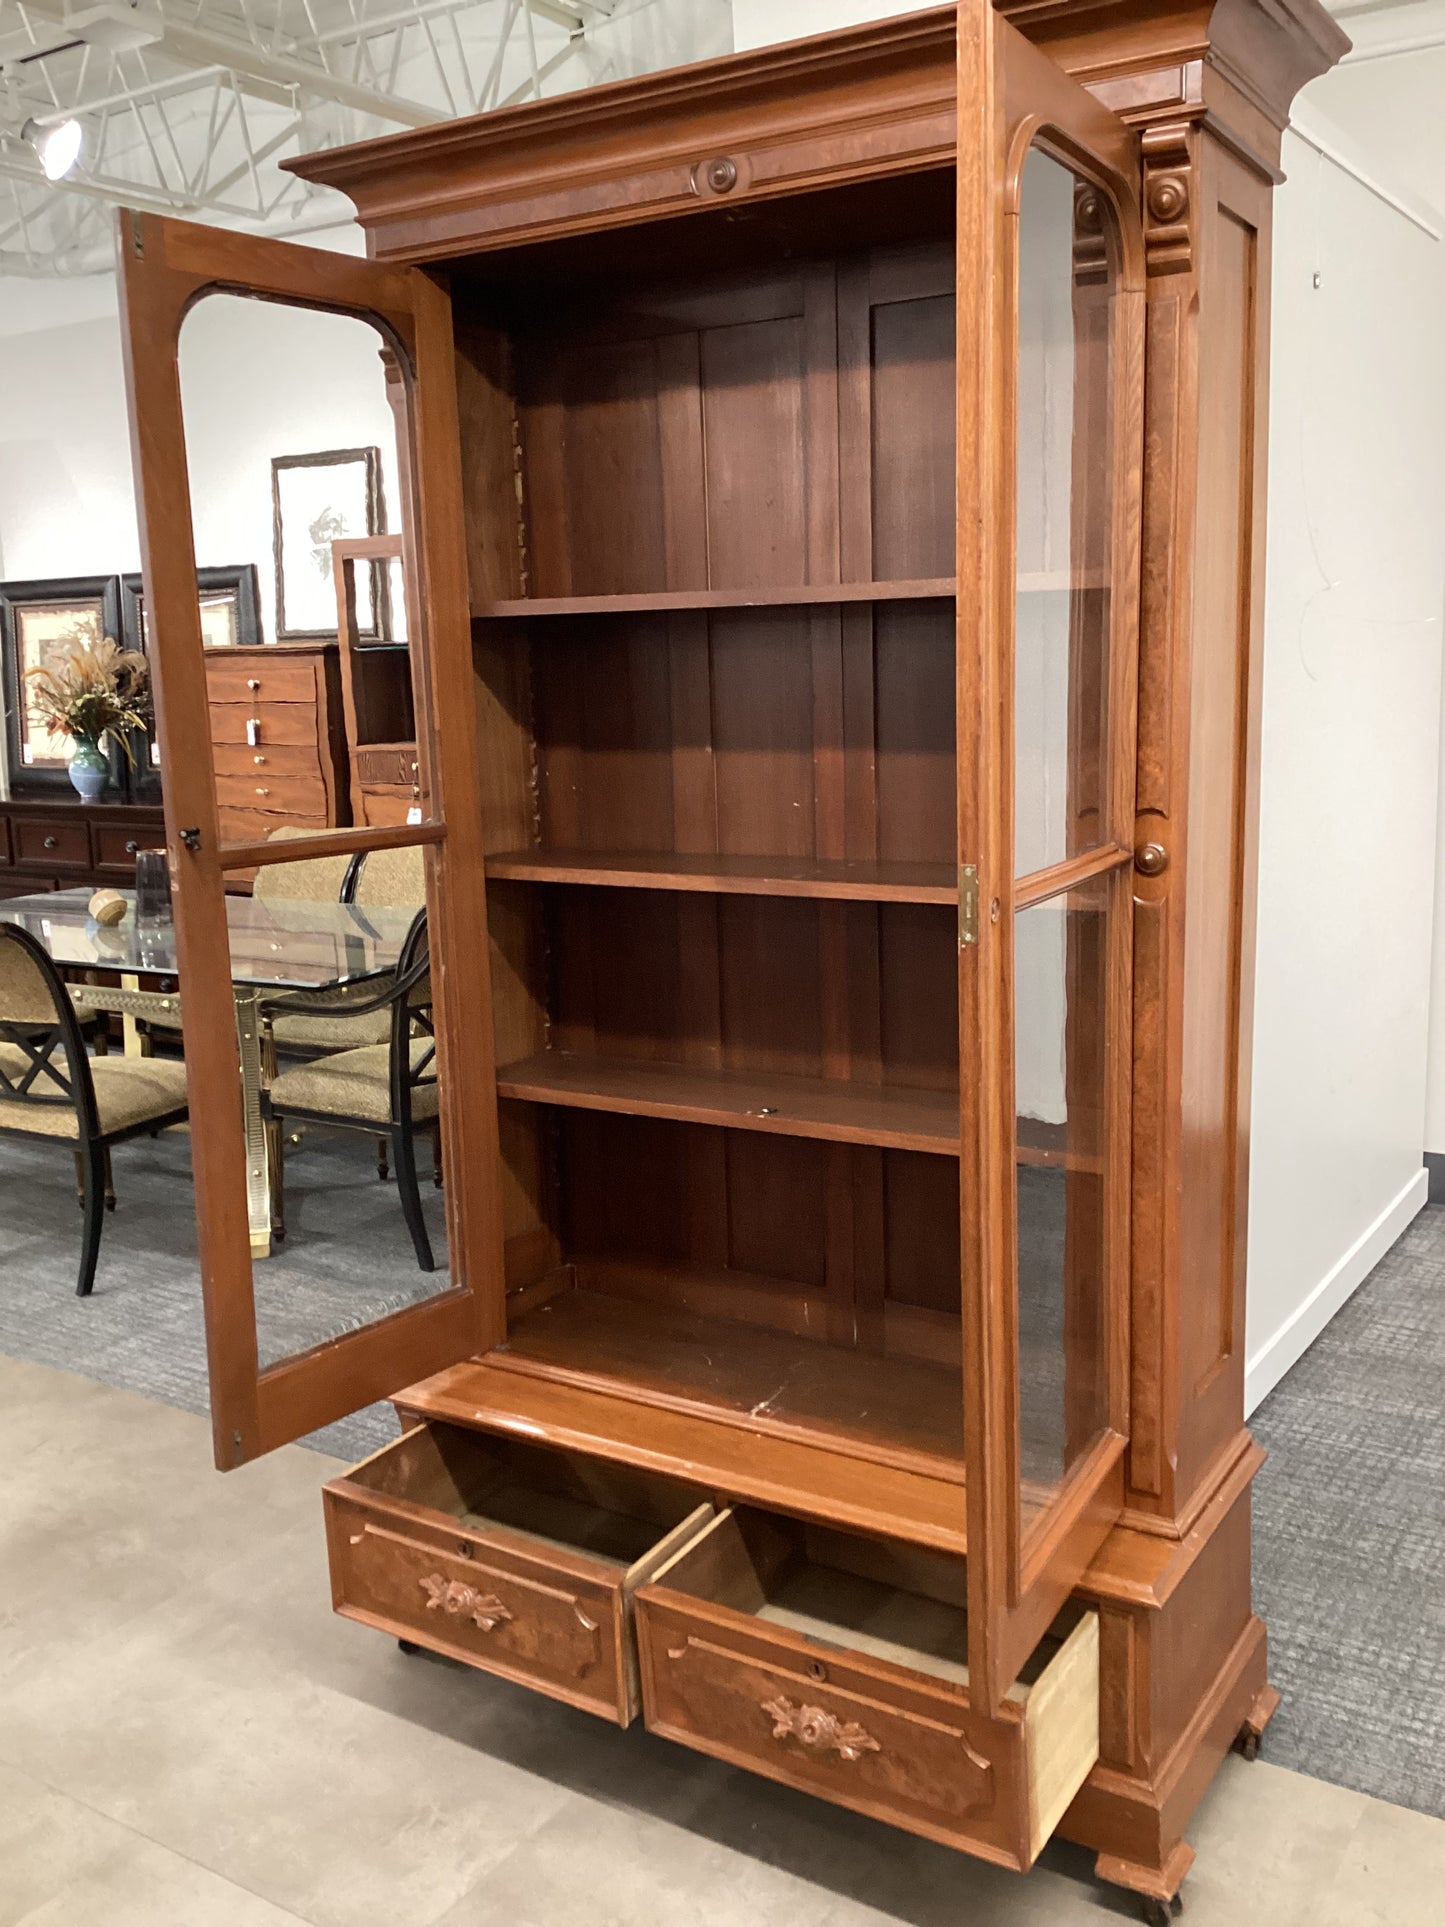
point(817, 1671)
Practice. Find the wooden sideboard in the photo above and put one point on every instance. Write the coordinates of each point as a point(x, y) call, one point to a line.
point(278, 736)
point(51, 844)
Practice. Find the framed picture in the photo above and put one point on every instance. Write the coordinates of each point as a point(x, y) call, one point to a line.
point(39, 622)
point(315, 499)
point(230, 619)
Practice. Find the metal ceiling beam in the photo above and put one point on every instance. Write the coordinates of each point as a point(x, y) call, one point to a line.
point(200, 47)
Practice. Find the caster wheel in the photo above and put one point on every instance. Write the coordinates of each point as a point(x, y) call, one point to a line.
point(1159, 1913)
point(409, 1647)
point(1247, 1745)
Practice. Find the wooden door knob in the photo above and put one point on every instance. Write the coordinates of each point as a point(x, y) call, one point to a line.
point(253, 682)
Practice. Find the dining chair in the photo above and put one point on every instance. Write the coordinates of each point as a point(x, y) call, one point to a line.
point(384, 1090)
point(323, 1022)
point(391, 879)
point(317, 879)
point(51, 1090)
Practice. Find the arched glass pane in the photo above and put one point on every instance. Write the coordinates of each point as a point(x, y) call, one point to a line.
point(1065, 441)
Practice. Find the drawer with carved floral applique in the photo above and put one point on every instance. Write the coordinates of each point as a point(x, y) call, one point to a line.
point(839, 1665)
point(516, 1558)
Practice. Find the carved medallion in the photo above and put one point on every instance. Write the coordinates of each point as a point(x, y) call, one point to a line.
point(1168, 200)
point(461, 1601)
point(814, 1728)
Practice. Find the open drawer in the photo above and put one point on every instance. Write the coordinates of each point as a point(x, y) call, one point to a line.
point(513, 1557)
point(839, 1665)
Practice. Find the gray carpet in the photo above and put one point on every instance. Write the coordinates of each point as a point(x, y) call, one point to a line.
point(1349, 1536)
point(1349, 1511)
point(346, 1260)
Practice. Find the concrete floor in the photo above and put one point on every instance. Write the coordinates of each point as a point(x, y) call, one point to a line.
point(189, 1738)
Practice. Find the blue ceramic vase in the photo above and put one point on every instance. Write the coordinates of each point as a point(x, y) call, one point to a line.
point(89, 770)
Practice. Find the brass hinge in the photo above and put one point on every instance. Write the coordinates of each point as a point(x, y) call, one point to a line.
point(967, 904)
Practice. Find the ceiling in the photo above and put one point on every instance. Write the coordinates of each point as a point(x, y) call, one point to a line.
point(188, 106)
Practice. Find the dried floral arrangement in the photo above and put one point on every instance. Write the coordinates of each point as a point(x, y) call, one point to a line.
point(92, 691)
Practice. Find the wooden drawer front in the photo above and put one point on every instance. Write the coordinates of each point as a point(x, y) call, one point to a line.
point(294, 795)
point(389, 768)
point(856, 1726)
point(4, 840)
point(57, 845)
point(865, 1739)
point(116, 848)
point(483, 1602)
point(254, 826)
point(239, 759)
point(549, 1610)
point(383, 809)
point(278, 725)
point(282, 680)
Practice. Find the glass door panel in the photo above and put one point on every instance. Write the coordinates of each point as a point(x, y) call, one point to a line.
point(1049, 474)
point(1063, 1150)
point(342, 1163)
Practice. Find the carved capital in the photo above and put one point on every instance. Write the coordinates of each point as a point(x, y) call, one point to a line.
point(1168, 199)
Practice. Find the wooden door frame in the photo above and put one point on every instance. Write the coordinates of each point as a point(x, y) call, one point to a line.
point(165, 267)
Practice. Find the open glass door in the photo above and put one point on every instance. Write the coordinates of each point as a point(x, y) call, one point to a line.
point(338, 1058)
point(1050, 314)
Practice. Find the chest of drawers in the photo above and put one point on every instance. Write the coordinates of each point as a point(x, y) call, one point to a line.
point(278, 737)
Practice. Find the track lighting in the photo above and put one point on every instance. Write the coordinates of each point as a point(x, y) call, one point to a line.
point(57, 148)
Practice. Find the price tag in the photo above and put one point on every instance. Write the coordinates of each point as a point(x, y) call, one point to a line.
point(413, 815)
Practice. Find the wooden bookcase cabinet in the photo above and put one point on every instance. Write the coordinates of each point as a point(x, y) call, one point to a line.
point(715, 523)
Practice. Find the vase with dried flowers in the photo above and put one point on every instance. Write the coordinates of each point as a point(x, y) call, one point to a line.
point(92, 692)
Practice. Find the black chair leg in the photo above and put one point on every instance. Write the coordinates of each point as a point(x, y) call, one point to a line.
point(109, 1180)
point(93, 1161)
point(403, 1151)
point(381, 1166)
point(276, 1148)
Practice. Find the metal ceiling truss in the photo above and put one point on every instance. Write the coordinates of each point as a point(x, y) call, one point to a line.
point(188, 105)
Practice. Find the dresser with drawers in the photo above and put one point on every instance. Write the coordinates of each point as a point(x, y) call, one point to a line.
point(278, 736)
point(57, 844)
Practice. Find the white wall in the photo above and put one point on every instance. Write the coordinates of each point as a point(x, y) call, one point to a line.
point(1350, 742)
point(1392, 101)
point(257, 380)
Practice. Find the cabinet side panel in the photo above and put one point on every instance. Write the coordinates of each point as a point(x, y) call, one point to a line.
point(1222, 761)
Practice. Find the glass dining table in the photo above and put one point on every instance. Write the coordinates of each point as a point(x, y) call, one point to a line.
point(277, 945)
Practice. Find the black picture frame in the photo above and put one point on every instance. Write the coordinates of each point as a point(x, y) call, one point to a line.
point(374, 512)
point(241, 581)
point(100, 593)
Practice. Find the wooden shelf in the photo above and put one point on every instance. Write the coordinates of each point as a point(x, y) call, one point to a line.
point(732, 875)
point(884, 1409)
point(762, 1414)
point(813, 1107)
point(661, 602)
point(810, 1480)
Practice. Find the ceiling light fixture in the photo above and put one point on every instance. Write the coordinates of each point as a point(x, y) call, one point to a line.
point(57, 148)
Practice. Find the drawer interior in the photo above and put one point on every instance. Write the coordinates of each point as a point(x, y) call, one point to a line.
point(901, 1604)
point(559, 1500)
point(896, 1618)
